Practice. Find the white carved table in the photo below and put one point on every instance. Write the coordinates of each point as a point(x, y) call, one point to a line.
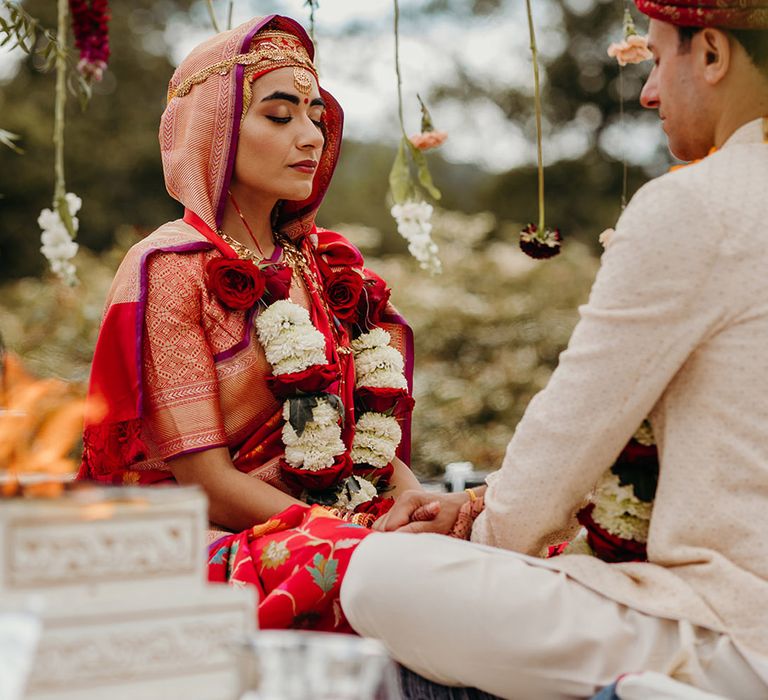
point(128, 612)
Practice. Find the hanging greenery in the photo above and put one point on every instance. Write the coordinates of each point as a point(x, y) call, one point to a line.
point(90, 19)
point(411, 209)
point(538, 241)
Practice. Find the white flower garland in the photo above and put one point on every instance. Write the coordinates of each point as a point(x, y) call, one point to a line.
point(376, 439)
point(619, 511)
point(349, 499)
point(413, 224)
point(320, 443)
point(58, 246)
point(377, 364)
point(616, 508)
point(291, 343)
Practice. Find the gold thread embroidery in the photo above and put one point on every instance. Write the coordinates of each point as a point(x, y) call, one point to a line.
point(273, 50)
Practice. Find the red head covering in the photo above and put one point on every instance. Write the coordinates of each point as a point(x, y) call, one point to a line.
point(200, 127)
point(725, 14)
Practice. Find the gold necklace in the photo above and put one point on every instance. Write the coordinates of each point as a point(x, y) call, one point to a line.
point(243, 252)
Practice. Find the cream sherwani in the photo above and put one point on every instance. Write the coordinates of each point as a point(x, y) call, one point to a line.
point(676, 327)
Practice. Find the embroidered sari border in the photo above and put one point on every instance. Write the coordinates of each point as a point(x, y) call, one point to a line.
point(142, 305)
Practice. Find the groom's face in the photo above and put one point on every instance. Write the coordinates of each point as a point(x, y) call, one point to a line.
point(675, 89)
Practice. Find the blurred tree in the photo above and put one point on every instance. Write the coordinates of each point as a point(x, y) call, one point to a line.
point(111, 151)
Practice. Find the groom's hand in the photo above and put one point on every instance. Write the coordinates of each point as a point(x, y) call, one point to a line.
point(420, 511)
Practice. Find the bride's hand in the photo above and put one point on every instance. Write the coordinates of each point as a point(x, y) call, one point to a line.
point(419, 511)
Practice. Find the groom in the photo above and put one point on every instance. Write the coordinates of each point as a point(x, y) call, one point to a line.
point(676, 327)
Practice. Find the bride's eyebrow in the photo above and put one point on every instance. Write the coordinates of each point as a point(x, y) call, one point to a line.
point(293, 99)
point(277, 95)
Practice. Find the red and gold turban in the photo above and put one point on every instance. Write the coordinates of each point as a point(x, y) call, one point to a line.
point(725, 14)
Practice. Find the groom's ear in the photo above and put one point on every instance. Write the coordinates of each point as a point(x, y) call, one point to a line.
point(715, 51)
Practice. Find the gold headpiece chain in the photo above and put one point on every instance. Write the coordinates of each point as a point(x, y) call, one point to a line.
point(274, 49)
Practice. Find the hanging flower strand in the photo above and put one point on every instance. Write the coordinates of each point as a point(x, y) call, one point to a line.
point(538, 241)
point(411, 211)
point(59, 224)
point(429, 136)
point(90, 21)
point(634, 48)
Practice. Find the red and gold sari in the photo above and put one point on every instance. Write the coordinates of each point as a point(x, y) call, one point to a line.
point(176, 372)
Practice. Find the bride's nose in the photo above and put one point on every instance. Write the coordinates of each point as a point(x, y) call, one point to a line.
point(310, 137)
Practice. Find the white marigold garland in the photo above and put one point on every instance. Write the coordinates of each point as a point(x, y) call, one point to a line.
point(292, 344)
point(377, 365)
point(355, 491)
point(617, 510)
point(320, 442)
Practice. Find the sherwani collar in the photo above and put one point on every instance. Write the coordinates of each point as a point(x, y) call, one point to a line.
point(755, 131)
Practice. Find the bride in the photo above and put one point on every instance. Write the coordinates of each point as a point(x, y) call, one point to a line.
point(247, 351)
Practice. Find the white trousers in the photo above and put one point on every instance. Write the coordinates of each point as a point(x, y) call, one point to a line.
point(464, 614)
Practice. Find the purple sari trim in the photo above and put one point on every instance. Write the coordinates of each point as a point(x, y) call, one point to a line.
point(236, 115)
point(244, 343)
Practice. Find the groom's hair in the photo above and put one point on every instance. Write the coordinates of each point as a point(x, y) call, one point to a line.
point(754, 41)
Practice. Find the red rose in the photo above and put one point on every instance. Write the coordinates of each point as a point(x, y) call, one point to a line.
point(343, 289)
point(238, 284)
point(312, 380)
point(277, 279)
point(318, 480)
point(384, 400)
point(373, 299)
point(377, 506)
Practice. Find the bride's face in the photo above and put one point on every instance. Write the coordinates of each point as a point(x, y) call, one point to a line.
point(280, 139)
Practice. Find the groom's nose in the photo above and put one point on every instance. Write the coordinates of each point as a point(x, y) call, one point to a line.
point(649, 97)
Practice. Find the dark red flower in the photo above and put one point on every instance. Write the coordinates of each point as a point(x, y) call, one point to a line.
point(321, 479)
point(277, 279)
point(312, 380)
point(373, 298)
point(540, 245)
point(377, 506)
point(238, 284)
point(384, 400)
point(343, 289)
point(89, 25)
point(610, 548)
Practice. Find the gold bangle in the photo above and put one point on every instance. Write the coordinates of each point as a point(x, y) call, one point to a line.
point(472, 495)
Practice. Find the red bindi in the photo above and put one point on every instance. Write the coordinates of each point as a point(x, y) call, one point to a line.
point(306, 100)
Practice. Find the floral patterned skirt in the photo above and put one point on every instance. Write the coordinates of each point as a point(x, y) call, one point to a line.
point(296, 560)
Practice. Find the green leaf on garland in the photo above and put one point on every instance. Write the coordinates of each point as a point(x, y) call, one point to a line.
point(422, 169)
point(400, 176)
point(300, 412)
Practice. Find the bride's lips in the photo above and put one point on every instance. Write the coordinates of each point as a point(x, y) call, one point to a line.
point(305, 166)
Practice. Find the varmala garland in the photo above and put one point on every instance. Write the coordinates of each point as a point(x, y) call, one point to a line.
point(316, 458)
